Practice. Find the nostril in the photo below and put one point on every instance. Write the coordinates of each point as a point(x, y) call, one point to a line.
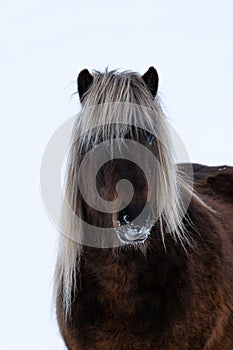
point(130, 213)
point(123, 217)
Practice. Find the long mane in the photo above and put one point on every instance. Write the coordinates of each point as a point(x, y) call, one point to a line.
point(120, 94)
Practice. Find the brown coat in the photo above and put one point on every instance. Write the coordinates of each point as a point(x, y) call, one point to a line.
point(165, 300)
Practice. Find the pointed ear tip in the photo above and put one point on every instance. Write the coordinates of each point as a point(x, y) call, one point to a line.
point(153, 69)
point(83, 72)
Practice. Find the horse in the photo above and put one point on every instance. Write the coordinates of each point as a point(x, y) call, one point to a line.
point(166, 281)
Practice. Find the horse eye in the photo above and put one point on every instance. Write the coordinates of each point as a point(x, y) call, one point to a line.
point(150, 139)
point(95, 140)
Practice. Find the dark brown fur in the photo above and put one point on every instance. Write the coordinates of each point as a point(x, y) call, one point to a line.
point(162, 300)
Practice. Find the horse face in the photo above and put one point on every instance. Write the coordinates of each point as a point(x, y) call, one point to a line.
point(121, 180)
point(122, 184)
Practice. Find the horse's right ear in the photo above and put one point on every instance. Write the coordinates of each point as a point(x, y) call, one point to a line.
point(85, 80)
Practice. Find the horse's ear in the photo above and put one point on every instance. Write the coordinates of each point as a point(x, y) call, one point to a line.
point(85, 80)
point(151, 79)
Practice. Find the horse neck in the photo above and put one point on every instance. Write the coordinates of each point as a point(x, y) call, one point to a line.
point(120, 277)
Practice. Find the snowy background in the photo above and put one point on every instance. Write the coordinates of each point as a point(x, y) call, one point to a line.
point(43, 46)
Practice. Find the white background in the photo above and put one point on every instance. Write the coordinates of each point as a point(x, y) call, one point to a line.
point(43, 46)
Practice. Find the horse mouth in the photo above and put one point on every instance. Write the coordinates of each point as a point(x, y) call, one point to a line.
point(132, 234)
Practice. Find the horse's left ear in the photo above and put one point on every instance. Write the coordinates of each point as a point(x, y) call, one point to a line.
point(84, 80)
point(151, 78)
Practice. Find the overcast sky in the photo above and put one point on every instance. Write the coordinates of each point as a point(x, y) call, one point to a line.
point(43, 46)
